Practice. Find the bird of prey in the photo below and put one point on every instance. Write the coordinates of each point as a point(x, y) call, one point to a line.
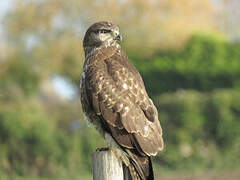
point(115, 101)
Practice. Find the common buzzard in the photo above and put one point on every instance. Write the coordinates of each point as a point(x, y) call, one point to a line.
point(115, 101)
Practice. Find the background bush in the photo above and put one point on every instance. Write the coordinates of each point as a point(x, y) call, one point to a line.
point(200, 127)
point(207, 62)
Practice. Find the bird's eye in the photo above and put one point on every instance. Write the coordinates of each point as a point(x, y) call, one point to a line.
point(104, 31)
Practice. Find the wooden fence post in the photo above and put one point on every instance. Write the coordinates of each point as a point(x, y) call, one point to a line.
point(106, 166)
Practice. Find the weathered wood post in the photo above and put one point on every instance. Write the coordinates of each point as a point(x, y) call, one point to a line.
point(106, 166)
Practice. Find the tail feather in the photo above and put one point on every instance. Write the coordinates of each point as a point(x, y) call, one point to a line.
point(141, 166)
point(130, 173)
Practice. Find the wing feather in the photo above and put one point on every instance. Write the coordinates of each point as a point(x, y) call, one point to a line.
point(119, 97)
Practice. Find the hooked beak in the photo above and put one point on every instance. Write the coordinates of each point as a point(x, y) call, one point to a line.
point(118, 37)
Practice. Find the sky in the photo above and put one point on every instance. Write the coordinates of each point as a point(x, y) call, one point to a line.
point(63, 87)
point(4, 6)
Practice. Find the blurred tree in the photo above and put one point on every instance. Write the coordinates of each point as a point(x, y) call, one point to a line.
point(207, 62)
point(50, 32)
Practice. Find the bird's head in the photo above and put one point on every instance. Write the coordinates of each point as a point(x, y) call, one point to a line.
point(101, 33)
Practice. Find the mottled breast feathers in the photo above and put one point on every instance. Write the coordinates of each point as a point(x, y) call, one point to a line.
point(116, 93)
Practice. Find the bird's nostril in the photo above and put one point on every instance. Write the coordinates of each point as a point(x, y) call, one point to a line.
point(115, 33)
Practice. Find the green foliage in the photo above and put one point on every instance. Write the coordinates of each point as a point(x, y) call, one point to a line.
point(22, 137)
point(206, 63)
point(200, 127)
point(18, 74)
point(32, 143)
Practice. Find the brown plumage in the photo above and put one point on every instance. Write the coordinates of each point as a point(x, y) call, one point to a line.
point(114, 99)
